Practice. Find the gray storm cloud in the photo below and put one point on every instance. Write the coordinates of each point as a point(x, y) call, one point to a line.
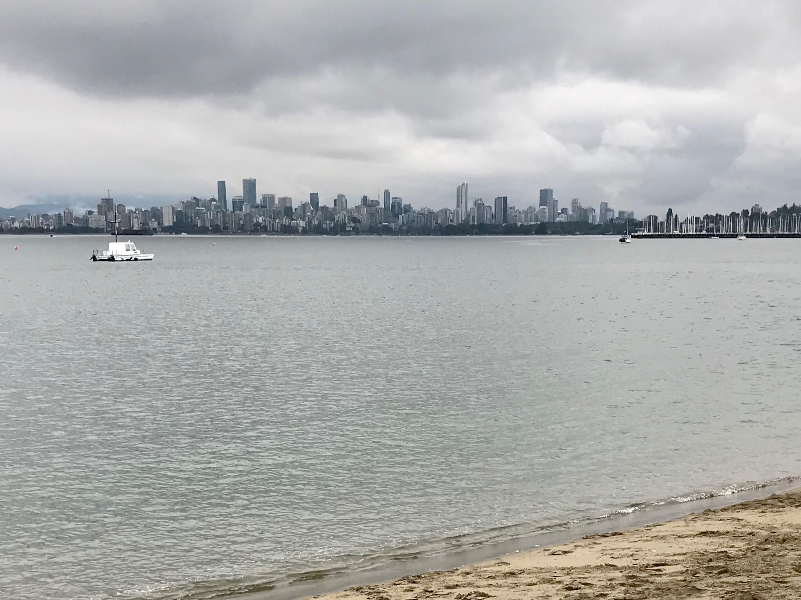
point(644, 104)
point(189, 48)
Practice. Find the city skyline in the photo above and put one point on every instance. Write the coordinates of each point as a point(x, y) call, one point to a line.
point(227, 189)
point(386, 213)
point(643, 104)
point(252, 213)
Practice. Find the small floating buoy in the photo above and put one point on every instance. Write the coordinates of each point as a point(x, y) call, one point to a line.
point(15, 247)
point(214, 243)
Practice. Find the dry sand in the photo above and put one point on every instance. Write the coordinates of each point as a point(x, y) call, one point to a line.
point(747, 551)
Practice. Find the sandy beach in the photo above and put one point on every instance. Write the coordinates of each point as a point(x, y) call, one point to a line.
point(747, 551)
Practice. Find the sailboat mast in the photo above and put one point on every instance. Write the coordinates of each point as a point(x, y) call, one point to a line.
point(108, 195)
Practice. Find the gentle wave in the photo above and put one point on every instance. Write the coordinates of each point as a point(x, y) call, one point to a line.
point(350, 564)
point(696, 496)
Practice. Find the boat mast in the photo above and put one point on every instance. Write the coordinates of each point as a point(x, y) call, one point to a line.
point(108, 195)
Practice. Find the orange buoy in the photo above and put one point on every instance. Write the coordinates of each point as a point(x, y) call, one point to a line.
point(15, 247)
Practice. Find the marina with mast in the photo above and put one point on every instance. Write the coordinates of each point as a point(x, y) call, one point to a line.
point(782, 223)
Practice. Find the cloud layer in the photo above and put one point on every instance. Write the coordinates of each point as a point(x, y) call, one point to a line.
point(641, 104)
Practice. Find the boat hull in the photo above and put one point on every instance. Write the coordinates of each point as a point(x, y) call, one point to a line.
point(121, 258)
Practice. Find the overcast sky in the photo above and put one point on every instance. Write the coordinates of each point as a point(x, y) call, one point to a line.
point(694, 105)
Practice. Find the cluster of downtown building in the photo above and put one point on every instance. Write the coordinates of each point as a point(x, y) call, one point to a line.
point(548, 211)
point(268, 213)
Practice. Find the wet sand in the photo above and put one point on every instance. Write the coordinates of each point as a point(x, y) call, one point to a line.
point(748, 551)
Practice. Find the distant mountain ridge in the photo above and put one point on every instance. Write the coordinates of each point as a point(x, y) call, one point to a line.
point(22, 210)
point(80, 203)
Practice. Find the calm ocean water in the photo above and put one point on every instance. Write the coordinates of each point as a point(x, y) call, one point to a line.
point(265, 409)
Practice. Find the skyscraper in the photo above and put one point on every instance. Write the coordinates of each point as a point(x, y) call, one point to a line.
point(397, 206)
point(604, 208)
point(547, 200)
point(314, 200)
point(268, 201)
point(545, 195)
point(479, 210)
point(387, 201)
point(221, 196)
point(461, 203)
point(168, 212)
point(501, 206)
point(340, 203)
point(106, 207)
point(542, 214)
point(249, 191)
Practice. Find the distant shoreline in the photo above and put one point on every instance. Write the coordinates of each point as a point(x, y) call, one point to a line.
point(560, 228)
point(290, 235)
point(240, 234)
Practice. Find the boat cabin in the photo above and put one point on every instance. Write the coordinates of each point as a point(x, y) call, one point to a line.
point(122, 247)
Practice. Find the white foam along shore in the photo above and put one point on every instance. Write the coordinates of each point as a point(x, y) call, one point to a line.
point(749, 550)
point(372, 571)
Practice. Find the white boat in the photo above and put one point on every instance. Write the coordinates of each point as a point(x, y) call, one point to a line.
point(119, 251)
point(124, 251)
point(741, 237)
